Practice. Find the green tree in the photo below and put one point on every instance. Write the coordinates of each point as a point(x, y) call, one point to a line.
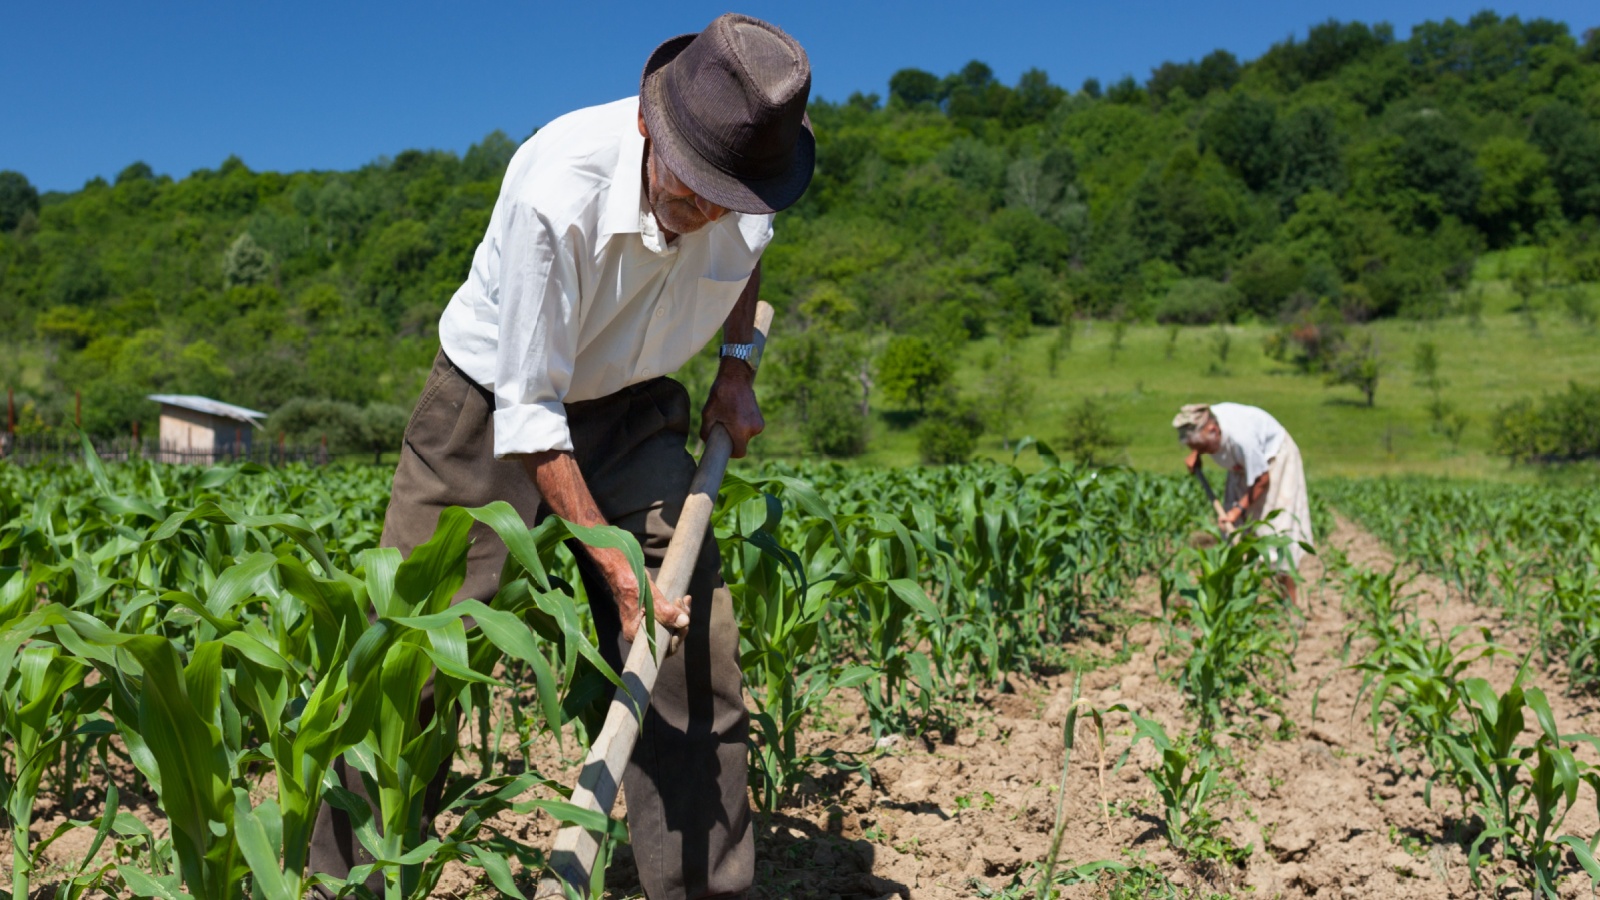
point(1089, 437)
point(1007, 397)
point(949, 434)
point(1570, 142)
point(1358, 365)
point(383, 425)
point(1433, 159)
point(912, 370)
point(308, 421)
point(246, 263)
point(1198, 301)
point(1266, 278)
point(914, 87)
point(1311, 143)
point(18, 198)
point(1242, 132)
point(1517, 195)
point(818, 381)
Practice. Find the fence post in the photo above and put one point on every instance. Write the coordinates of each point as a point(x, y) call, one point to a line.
point(322, 455)
point(137, 450)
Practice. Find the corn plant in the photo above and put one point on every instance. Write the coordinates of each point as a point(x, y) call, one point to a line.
point(1229, 629)
point(1523, 792)
point(1569, 622)
point(43, 698)
point(1416, 685)
point(1189, 775)
point(1381, 611)
point(783, 598)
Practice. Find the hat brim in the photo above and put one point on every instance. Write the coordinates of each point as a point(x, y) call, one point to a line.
point(740, 195)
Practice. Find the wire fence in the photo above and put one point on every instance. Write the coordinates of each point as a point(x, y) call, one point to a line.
point(28, 450)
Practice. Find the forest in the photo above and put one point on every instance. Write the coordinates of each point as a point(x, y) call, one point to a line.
point(1341, 177)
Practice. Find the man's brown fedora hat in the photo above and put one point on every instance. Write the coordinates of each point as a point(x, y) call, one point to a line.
point(726, 111)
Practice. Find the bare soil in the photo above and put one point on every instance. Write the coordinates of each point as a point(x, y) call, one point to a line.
point(1325, 810)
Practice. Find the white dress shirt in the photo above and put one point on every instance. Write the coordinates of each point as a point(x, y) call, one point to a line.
point(1250, 439)
point(574, 294)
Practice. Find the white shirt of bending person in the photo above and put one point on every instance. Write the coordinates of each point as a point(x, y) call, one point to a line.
point(1250, 438)
point(574, 293)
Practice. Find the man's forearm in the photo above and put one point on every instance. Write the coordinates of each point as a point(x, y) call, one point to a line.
point(1256, 492)
point(562, 487)
point(740, 326)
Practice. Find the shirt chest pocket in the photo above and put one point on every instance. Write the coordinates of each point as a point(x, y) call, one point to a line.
point(712, 302)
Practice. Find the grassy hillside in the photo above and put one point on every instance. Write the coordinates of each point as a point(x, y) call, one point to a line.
point(1483, 368)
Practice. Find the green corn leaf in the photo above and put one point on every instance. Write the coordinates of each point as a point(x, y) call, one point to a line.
point(91, 461)
point(458, 671)
point(1585, 856)
point(498, 870)
point(143, 885)
point(103, 823)
point(241, 581)
point(266, 872)
point(190, 602)
point(513, 638)
point(571, 814)
point(503, 518)
point(854, 676)
point(203, 679)
point(431, 575)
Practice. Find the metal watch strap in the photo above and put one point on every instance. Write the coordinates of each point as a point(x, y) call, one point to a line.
point(750, 353)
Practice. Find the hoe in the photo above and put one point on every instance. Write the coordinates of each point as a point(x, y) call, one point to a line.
point(572, 858)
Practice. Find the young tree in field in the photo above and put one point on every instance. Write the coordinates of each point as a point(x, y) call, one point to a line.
point(1119, 331)
point(383, 426)
point(818, 387)
point(949, 434)
point(911, 370)
point(1007, 396)
point(1524, 286)
point(1062, 345)
point(1426, 365)
point(1447, 419)
point(1222, 344)
point(1358, 365)
point(1089, 437)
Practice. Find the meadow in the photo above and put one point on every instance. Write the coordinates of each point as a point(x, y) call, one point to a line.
point(1484, 365)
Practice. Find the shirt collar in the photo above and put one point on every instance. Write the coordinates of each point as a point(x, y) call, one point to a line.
point(626, 210)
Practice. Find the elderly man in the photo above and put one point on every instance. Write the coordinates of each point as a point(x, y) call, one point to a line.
point(1264, 472)
point(624, 235)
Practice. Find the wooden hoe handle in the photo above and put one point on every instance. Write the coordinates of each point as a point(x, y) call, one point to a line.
point(572, 858)
point(1216, 505)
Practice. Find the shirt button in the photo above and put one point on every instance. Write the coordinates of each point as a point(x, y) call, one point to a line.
point(646, 373)
point(661, 311)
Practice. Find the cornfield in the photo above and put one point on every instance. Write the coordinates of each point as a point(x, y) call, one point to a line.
point(215, 639)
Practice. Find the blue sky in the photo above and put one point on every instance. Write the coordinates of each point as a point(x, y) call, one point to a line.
point(90, 87)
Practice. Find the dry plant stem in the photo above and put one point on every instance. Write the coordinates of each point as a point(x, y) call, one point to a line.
point(1068, 738)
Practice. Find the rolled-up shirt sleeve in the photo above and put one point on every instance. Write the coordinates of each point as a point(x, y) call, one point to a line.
point(540, 316)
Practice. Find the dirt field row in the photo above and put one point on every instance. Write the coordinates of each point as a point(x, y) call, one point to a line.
point(1327, 812)
point(958, 814)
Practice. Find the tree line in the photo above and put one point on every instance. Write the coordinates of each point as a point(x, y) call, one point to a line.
point(1339, 177)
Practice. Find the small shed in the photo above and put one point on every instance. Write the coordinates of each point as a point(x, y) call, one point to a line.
point(202, 430)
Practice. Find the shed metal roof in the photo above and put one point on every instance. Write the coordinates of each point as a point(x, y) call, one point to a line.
point(210, 407)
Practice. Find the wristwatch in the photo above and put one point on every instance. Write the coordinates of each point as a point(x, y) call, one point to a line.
point(750, 353)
